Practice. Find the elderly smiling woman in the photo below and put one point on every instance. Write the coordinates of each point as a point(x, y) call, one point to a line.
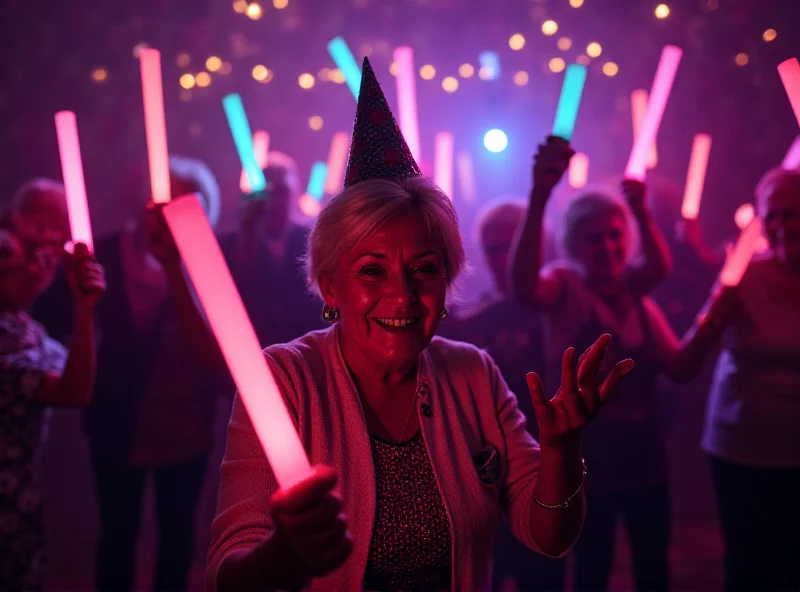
point(418, 443)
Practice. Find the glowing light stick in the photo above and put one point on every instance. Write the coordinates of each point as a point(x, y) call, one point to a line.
point(407, 98)
point(261, 150)
point(744, 214)
point(234, 332)
point(345, 61)
point(443, 171)
point(789, 71)
point(155, 125)
point(570, 100)
point(316, 181)
point(741, 254)
point(662, 85)
point(243, 138)
point(337, 162)
point(466, 177)
point(792, 159)
point(638, 110)
point(579, 170)
point(72, 170)
point(696, 177)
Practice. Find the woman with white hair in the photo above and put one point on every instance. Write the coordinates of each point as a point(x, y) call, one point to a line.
point(421, 435)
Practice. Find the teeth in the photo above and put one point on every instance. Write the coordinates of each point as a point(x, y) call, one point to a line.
point(397, 322)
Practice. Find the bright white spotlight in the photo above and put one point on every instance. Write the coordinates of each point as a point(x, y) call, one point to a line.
point(495, 140)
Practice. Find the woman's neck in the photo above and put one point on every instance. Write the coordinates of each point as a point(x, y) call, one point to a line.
point(372, 377)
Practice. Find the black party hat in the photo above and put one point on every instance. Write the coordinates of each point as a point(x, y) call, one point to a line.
point(377, 150)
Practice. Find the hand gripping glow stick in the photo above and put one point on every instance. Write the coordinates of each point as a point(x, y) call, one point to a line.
point(261, 150)
point(316, 181)
point(570, 100)
point(344, 60)
point(72, 170)
point(155, 124)
point(638, 111)
point(662, 85)
point(466, 177)
point(789, 71)
point(337, 162)
point(407, 99)
point(243, 138)
point(739, 258)
point(234, 332)
point(443, 171)
point(696, 177)
point(792, 159)
point(579, 170)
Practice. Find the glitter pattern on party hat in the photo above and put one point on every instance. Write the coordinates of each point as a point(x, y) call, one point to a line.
point(377, 150)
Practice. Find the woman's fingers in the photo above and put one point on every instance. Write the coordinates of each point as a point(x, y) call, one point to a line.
point(569, 378)
point(306, 494)
point(540, 403)
point(609, 385)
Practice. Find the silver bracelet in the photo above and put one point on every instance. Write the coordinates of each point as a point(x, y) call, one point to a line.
point(567, 501)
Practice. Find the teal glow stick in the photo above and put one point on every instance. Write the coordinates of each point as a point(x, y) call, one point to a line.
point(345, 61)
point(569, 102)
point(316, 182)
point(243, 138)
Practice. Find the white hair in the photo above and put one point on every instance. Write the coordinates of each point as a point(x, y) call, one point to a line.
point(500, 208)
point(591, 205)
point(361, 210)
point(773, 179)
point(26, 195)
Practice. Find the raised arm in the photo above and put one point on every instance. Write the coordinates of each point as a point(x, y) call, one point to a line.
point(527, 282)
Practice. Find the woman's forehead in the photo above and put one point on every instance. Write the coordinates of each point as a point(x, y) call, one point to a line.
point(407, 234)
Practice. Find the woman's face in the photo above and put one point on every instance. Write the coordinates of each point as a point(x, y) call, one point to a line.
point(602, 245)
point(390, 290)
point(22, 277)
point(496, 242)
point(781, 214)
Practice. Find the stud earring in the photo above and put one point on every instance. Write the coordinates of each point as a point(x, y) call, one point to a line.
point(329, 314)
point(444, 313)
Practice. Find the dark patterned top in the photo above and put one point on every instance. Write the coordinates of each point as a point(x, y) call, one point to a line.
point(411, 547)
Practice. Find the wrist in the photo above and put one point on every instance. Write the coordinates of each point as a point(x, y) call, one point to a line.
point(562, 452)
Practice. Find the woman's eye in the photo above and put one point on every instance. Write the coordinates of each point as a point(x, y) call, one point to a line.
point(371, 270)
point(428, 268)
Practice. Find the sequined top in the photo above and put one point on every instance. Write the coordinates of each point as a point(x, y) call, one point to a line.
point(410, 548)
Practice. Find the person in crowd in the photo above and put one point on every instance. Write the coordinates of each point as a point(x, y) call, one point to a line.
point(420, 436)
point(36, 372)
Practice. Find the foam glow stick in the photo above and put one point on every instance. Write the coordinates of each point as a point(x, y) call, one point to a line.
point(443, 171)
point(69, 149)
point(466, 177)
point(243, 138)
point(696, 177)
point(344, 60)
point(407, 98)
point(638, 110)
point(261, 150)
point(792, 159)
point(739, 258)
point(744, 213)
point(155, 125)
point(337, 162)
point(234, 332)
point(789, 71)
point(579, 170)
point(316, 181)
point(570, 100)
point(662, 85)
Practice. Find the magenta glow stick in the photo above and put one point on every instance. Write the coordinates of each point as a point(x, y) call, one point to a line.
point(789, 71)
point(579, 170)
point(741, 254)
point(261, 150)
point(659, 94)
point(744, 214)
point(792, 159)
point(234, 332)
point(696, 177)
point(443, 171)
point(466, 177)
point(407, 99)
point(155, 124)
point(638, 111)
point(69, 149)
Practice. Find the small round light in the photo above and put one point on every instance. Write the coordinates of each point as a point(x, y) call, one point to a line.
point(225, 68)
point(583, 60)
point(521, 78)
point(662, 11)
point(594, 49)
point(393, 68)
point(213, 64)
point(576, 3)
point(99, 74)
point(450, 84)
point(564, 43)
point(556, 65)
point(610, 69)
point(306, 81)
point(427, 72)
point(254, 11)
point(203, 79)
point(280, 4)
point(466, 70)
point(516, 42)
point(769, 35)
point(260, 73)
point(315, 122)
point(337, 76)
point(549, 27)
point(186, 81)
point(183, 60)
point(240, 6)
point(485, 73)
point(742, 59)
point(495, 140)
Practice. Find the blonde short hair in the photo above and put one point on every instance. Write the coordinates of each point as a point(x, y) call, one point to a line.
point(773, 179)
point(361, 210)
point(26, 196)
point(589, 205)
point(498, 210)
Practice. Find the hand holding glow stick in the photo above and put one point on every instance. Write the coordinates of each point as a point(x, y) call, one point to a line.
point(155, 124)
point(261, 150)
point(789, 71)
point(571, 91)
point(696, 177)
point(243, 138)
point(443, 171)
point(741, 254)
point(407, 99)
point(662, 86)
point(578, 170)
point(69, 150)
point(234, 332)
point(344, 60)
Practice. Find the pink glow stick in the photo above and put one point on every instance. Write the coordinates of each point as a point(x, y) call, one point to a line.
point(638, 110)
point(407, 98)
point(69, 149)
point(696, 177)
point(662, 85)
point(789, 71)
point(337, 163)
point(466, 177)
point(744, 214)
point(443, 173)
point(741, 254)
point(579, 170)
point(155, 124)
point(234, 332)
point(261, 150)
point(792, 159)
